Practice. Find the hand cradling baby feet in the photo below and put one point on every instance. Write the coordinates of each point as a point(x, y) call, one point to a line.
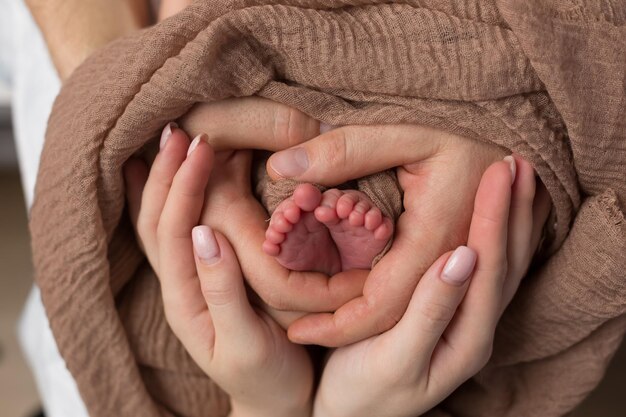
point(328, 232)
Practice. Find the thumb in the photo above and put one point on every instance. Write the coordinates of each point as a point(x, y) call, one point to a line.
point(222, 286)
point(351, 152)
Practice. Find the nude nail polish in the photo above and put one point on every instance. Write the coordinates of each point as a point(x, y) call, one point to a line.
point(459, 266)
point(290, 163)
point(196, 142)
point(205, 245)
point(167, 132)
point(512, 166)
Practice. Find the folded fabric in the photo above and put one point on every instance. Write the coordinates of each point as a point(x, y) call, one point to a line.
point(541, 78)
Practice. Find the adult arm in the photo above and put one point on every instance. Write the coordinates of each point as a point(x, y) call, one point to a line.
point(73, 29)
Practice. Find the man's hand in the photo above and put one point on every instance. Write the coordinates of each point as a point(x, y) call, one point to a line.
point(439, 173)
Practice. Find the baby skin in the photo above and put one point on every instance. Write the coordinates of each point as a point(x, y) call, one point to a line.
point(328, 232)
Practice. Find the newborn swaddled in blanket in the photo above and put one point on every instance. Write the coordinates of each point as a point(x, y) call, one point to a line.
point(544, 79)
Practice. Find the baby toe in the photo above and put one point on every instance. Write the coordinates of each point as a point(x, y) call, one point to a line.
point(326, 212)
point(274, 236)
point(346, 204)
point(271, 248)
point(291, 211)
point(384, 231)
point(280, 223)
point(307, 197)
point(357, 217)
point(373, 218)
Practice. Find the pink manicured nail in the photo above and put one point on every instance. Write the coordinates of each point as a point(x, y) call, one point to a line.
point(512, 166)
point(196, 142)
point(290, 163)
point(459, 266)
point(205, 244)
point(167, 132)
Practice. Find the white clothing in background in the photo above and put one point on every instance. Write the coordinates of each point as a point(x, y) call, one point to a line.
point(26, 67)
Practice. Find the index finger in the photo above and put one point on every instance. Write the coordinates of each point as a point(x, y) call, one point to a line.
point(250, 123)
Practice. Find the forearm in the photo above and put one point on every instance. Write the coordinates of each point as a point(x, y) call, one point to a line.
point(73, 29)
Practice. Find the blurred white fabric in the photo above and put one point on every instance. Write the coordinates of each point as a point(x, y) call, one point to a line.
point(26, 69)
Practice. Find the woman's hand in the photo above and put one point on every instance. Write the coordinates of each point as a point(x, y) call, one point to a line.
point(445, 335)
point(242, 349)
point(256, 123)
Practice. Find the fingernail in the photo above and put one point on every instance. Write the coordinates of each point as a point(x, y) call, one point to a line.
point(290, 163)
point(167, 132)
point(325, 127)
point(459, 266)
point(205, 245)
point(512, 166)
point(196, 142)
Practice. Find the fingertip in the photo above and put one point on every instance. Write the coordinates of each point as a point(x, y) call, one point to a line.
point(167, 134)
point(289, 163)
point(459, 266)
point(512, 167)
point(312, 329)
point(524, 187)
point(495, 187)
point(205, 245)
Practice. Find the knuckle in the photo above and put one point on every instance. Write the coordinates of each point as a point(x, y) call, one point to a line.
point(436, 315)
point(335, 153)
point(275, 301)
point(217, 296)
point(252, 360)
point(290, 127)
point(479, 354)
point(388, 314)
point(388, 320)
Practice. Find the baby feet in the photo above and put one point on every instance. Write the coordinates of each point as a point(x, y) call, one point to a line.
point(331, 232)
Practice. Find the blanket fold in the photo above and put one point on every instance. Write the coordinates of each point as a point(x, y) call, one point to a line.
point(544, 79)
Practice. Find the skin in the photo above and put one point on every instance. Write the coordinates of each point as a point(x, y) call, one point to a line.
point(434, 222)
point(100, 22)
point(444, 337)
point(74, 29)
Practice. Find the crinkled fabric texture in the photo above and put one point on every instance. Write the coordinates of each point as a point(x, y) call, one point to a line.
point(544, 79)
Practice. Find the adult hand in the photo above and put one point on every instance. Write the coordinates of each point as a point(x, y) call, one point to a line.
point(446, 334)
point(439, 173)
point(205, 300)
point(255, 123)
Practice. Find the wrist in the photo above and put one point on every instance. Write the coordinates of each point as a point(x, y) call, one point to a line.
point(238, 409)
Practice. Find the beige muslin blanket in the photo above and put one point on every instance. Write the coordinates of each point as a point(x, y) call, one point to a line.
point(543, 78)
